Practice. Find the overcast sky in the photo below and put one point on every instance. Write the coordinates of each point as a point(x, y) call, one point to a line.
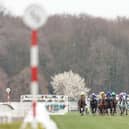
point(103, 8)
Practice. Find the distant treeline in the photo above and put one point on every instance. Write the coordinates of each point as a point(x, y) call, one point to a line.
point(95, 48)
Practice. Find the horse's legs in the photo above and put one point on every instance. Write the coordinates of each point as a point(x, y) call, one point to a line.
point(120, 110)
point(92, 110)
point(106, 110)
point(100, 110)
point(126, 111)
point(95, 109)
point(123, 109)
point(86, 110)
point(111, 112)
point(114, 110)
point(82, 111)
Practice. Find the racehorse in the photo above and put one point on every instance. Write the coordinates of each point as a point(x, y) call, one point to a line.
point(123, 104)
point(108, 105)
point(102, 104)
point(82, 104)
point(114, 103)
point(111, 103)
point(93, 103)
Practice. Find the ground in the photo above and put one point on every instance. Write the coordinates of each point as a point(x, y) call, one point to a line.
point(75, 121)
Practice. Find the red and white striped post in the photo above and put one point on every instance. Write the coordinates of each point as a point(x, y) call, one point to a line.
point(34, 67)
point(34, 17)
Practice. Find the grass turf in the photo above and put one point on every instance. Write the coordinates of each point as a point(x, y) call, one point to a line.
point(75, 121)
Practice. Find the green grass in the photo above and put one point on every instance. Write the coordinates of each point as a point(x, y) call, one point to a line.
point(15, 125)
point(75, 121)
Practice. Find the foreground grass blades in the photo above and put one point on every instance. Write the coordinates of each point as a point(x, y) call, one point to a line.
point(75, 121)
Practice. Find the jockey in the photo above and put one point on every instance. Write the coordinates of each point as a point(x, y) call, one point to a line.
point(83, 97)
point(102, 95)
point(123, 103)
point(121, 96)
point(108, 100)
point(93, 103)
point(93, 96)
point(82, 103)
point(108, 95)
point(113, 94)
point(82, 94)
point(125, 94)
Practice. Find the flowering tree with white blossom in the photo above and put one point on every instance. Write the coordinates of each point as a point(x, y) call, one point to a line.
point(69, 83)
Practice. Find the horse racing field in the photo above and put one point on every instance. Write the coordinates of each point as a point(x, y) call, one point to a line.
point(75, 121)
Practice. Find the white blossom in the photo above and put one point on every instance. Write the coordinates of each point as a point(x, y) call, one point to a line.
point(69, 83)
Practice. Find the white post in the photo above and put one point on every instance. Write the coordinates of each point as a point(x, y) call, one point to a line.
point(8, 90)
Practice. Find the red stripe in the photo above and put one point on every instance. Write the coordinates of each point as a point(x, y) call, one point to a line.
point(34, 108)
point(34, 74)
point(34, 37)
